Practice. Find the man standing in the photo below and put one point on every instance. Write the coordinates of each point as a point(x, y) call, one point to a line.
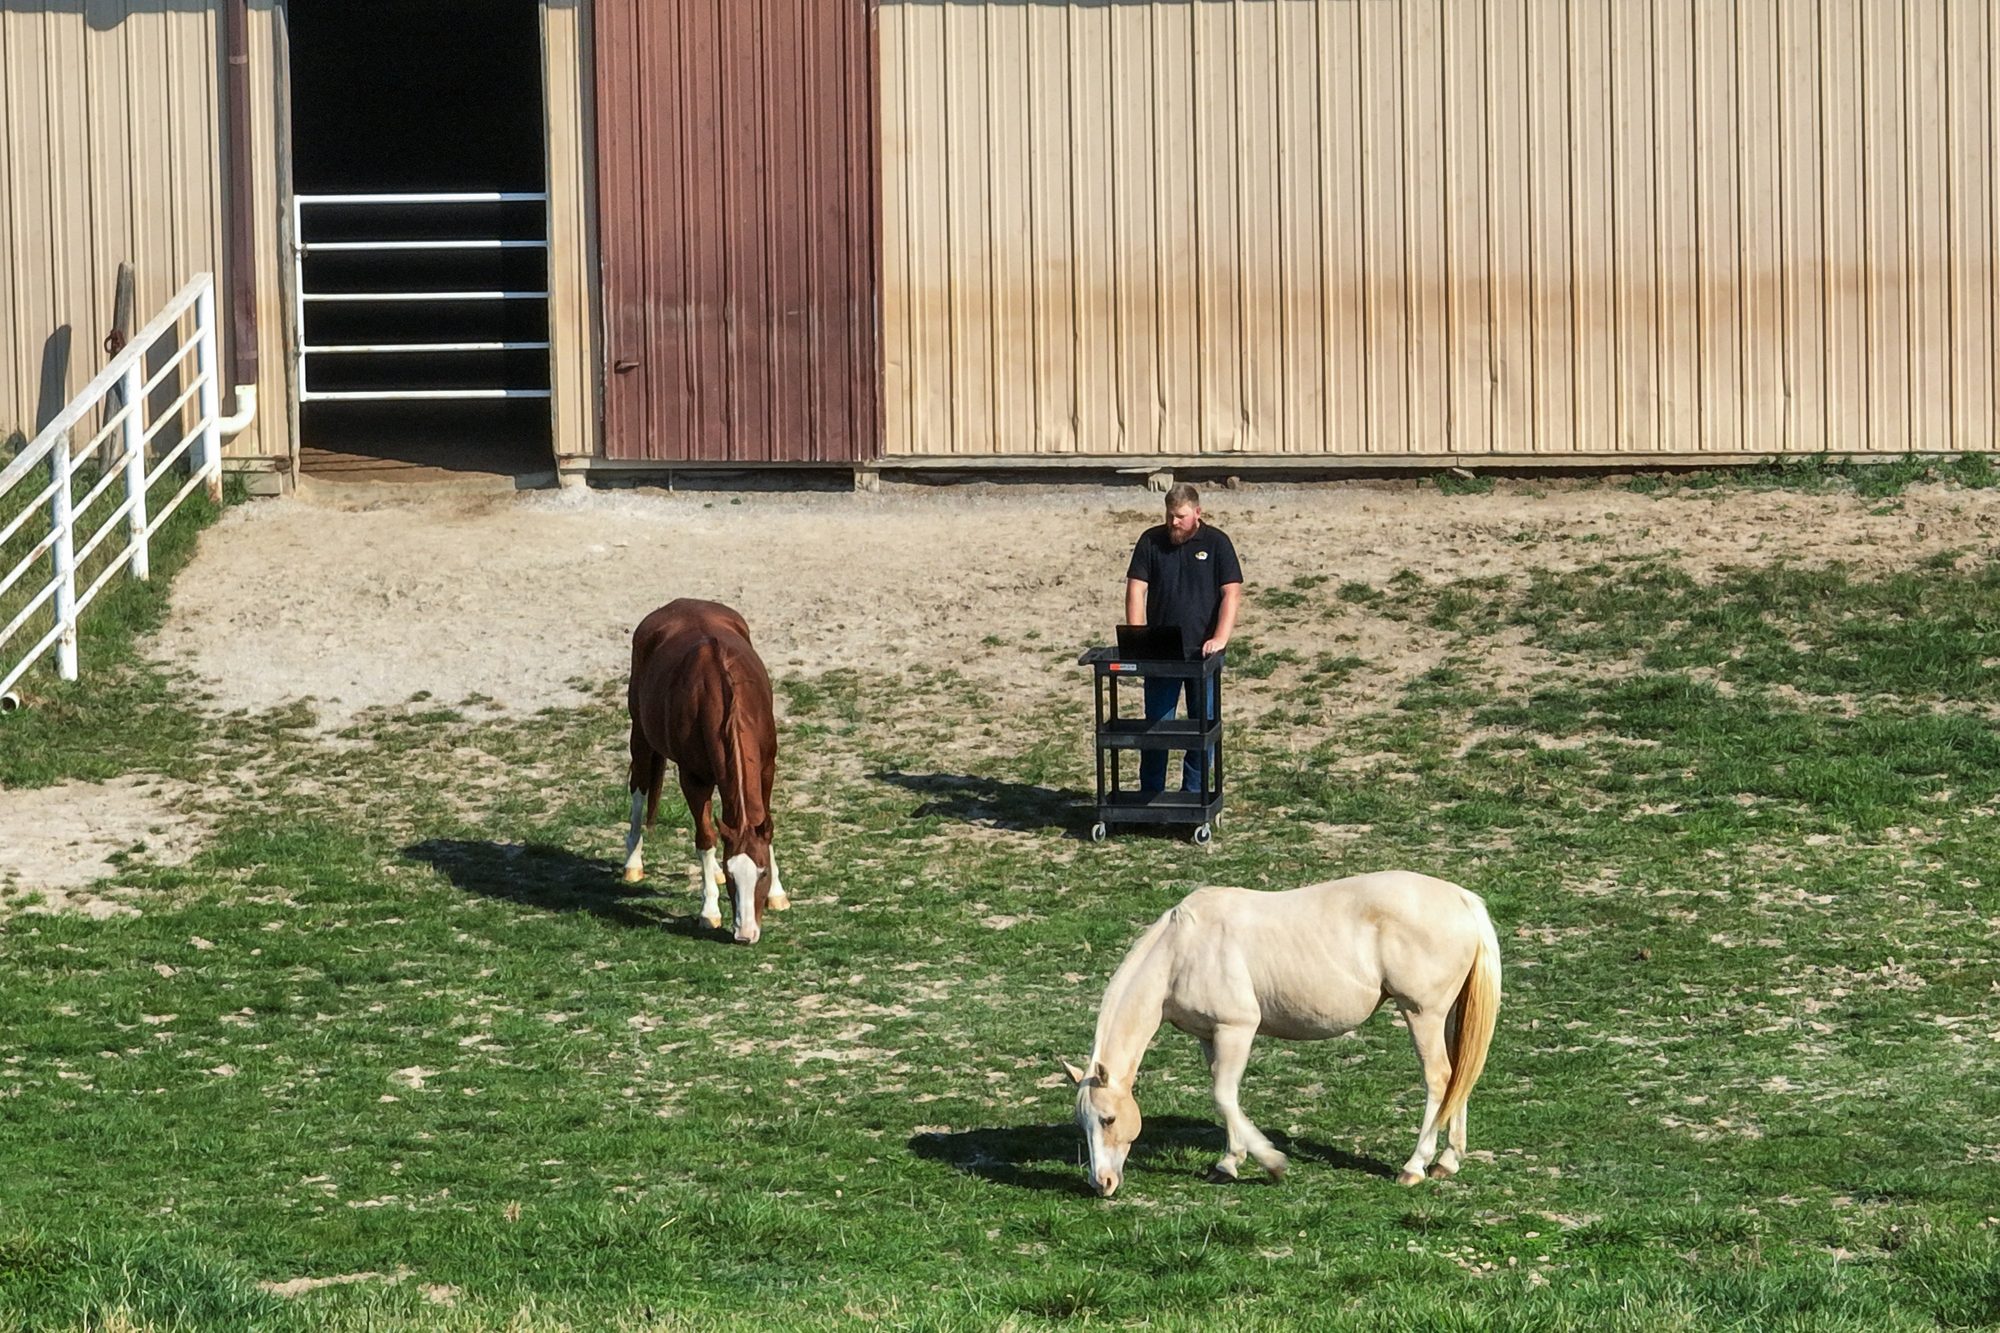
point(1184, 574)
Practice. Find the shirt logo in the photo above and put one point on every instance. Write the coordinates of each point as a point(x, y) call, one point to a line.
point(1201, 555)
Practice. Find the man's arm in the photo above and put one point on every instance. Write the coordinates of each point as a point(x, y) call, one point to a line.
point(1225, 619)
point(1135, 601)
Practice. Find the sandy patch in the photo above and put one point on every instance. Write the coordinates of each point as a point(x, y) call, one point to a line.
point(528, 599)
point(436, 1293)
point(58, 841)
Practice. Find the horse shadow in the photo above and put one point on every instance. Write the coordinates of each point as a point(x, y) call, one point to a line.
point(1033, 1157)
point(993, 802)
point(1205, 1138)
point(554, 879)
point(1050, 1157)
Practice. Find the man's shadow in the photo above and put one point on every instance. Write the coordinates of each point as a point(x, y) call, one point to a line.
point(1051, 1157)
point(555, 879)
point(993, 802)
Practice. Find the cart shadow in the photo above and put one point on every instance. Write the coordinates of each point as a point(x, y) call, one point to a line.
point(994, 802)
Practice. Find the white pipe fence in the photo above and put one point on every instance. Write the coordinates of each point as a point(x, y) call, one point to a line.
point(40, 482)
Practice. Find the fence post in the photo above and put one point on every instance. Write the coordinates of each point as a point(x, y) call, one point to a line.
point(63, 520)
point(135, 473)
point(208, 450)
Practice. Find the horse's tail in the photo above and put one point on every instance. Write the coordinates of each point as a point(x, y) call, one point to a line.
point(656, 778)
point(734, 788)
point(1477, 1010)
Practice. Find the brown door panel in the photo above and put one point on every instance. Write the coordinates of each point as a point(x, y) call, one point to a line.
point(737, 229)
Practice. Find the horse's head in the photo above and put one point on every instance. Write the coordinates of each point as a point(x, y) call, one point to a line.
point(1109, 1119)
point(747, 862)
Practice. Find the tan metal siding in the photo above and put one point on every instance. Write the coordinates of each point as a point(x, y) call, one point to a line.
point(1439, 227)
point(572, 228)
point(108, 152)
point(270, 432)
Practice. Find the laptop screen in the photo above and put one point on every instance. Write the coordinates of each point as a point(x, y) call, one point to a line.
point(1151, 643)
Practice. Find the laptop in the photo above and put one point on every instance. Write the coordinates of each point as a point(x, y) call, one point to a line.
point(1151, 643)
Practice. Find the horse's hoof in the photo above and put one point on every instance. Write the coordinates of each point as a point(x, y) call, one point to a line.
point(633, 874)
point(1408, 1178)
point(778, 902)
point(713, 922)
point(1221, 1174)
point(1274, 1166)
point(1439, 1171)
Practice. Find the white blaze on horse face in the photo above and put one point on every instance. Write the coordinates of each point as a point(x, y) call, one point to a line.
point(1109, 1119)
point(635, 865)
point(743, 894)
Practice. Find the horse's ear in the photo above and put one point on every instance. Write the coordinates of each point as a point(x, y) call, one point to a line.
point(1075, 1074)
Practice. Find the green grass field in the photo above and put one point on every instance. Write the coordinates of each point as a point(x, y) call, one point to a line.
point(400, 1030)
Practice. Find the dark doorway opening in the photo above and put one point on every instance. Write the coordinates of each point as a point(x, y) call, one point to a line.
point(422, 321)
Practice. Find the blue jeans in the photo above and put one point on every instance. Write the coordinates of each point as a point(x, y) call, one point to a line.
point(1163, 696)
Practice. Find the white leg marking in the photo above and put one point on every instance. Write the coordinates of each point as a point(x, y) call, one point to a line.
point(711, 876)
point(743, 895)
point(635, 865)
point(778, 901)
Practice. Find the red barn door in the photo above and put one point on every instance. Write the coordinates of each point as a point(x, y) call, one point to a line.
point(737, 228)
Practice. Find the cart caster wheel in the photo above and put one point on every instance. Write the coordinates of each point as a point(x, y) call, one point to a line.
point(1097, 832)
point(1201, 835)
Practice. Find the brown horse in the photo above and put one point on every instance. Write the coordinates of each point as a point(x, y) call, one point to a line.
point(700, 696)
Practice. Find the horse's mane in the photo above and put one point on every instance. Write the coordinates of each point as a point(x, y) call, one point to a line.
point(1119, 991)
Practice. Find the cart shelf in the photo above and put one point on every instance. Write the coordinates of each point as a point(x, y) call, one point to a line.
point(1118, 735)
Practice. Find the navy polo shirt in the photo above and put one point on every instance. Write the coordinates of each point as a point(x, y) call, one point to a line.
point(1184, 583)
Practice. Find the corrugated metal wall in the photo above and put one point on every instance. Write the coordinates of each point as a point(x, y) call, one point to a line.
point(736, 208)
point(573, 314)
point(270, 432)
point(110, 150)
point(1431, 227)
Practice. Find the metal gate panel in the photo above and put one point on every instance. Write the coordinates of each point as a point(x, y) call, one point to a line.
point(736, 215)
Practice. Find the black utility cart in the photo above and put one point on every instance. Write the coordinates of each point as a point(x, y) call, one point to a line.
point(1118, 735)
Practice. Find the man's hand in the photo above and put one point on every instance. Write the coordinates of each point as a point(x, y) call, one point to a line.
point(1225, 619)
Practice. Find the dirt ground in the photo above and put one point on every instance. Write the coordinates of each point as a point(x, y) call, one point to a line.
point(354, 600)
point(359, 603)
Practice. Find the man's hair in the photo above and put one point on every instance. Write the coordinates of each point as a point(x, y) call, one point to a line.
point(1183, 493)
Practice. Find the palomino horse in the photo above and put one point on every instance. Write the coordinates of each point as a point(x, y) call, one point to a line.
point(1227, 964)
point(700, 696)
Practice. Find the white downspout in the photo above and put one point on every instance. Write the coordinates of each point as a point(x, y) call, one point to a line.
point(246, 411)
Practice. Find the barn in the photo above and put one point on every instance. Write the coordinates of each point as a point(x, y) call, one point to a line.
point(584, 239)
